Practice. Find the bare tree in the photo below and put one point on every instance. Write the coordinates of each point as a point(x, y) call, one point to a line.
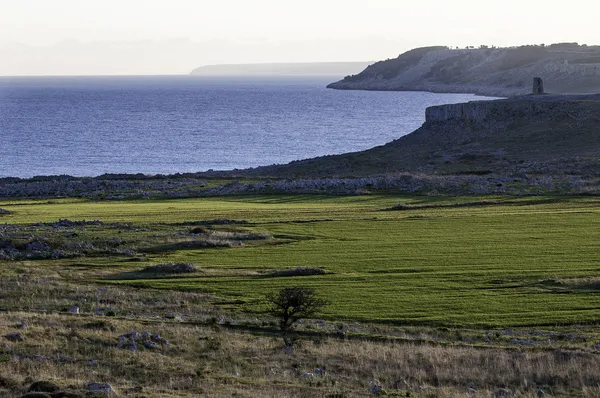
point(291, 304)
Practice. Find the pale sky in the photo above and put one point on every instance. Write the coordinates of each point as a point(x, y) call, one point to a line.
point(63, 37)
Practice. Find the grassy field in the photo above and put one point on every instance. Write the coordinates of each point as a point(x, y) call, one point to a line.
point(437, 296)
point(489, 262)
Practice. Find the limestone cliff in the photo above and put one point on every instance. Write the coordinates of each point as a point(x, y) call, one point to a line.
point(503, 72)
point(545, 134)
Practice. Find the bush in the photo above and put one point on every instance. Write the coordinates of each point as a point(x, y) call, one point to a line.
point(291, 304)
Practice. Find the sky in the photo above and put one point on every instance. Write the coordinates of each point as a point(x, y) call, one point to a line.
point(98, 37)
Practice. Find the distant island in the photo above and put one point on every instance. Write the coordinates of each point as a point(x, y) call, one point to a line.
point(283, 69)
point(567, 68)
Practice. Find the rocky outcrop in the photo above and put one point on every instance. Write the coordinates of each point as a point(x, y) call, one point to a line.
point(554, 107)
point(503, 72)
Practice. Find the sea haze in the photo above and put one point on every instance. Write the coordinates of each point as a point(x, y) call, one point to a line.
point(87, 126)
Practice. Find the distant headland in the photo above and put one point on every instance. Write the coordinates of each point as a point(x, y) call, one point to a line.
point(283, 69)
point(567, 68)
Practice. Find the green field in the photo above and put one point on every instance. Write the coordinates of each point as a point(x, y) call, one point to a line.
point(491, 262)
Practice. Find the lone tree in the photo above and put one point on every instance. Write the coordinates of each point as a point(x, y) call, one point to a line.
point(290, 305)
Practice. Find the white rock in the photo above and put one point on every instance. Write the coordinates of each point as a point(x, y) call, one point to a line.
point(74, 310)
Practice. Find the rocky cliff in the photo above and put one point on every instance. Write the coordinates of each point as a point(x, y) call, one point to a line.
point(540, 134)
point(503, 72)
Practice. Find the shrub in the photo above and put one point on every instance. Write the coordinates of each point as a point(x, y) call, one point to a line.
point(291, 304)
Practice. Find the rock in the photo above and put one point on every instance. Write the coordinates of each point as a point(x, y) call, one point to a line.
point(14, 337)
point(160, 340)
point(4, 212)
point(132, 336)
point(504, 392)
point(122, 341)
point(43, 386)
point(375, 388)
point(149, 345)
point(22, 324)
point(73, 310)
point(99, 387)
point(307, 375)
point(37, 246)
point(321, 371)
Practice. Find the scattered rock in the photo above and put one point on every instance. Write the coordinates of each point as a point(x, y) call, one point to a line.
point(99, 387)
point(37, 246)
point(149, 345)
point(73, 310)
point(14, 337)
point(504, 392)
point(148, 340)
point(375, 388)
point(66, 359)
point(160, 340)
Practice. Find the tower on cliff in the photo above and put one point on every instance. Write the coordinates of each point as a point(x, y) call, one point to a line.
point(538, 85)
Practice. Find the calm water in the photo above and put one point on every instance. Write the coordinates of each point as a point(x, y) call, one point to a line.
point(94, 125)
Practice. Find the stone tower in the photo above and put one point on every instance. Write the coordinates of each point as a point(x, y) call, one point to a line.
point(538, 85)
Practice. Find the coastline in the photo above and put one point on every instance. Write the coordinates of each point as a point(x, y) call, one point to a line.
point(491, 92)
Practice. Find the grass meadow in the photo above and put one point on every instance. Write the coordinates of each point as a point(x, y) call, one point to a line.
point(400, 271)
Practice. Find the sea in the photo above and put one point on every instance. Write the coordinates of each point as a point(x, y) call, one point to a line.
point(88, 126)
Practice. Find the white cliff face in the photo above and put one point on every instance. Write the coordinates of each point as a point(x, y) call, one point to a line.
point(499, 72)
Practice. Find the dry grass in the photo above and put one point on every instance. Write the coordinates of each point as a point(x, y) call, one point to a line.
point(73, 350)
point(216, 360)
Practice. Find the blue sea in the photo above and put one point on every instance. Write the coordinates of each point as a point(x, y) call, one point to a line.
point(87, 126)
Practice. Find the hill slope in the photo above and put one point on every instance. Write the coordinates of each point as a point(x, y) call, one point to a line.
point(539, 134)
point(503, 72)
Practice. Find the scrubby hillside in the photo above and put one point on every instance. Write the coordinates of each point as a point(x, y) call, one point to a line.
point(565, 68)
